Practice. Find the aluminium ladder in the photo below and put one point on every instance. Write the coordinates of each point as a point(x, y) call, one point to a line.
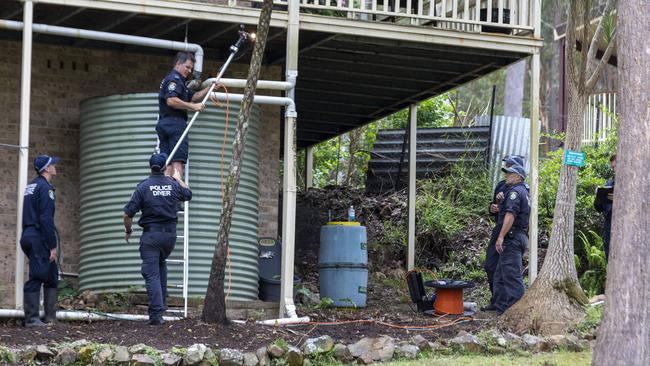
point(186, 253)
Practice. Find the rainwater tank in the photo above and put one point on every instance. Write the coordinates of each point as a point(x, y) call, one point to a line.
point(117, 137)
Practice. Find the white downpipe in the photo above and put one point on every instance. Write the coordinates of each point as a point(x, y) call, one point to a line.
point(23, 155)
point(113, 37)
point(259, 99)
point(241, 83)
point(283, 321)
point(82, 315)
point(413, 135)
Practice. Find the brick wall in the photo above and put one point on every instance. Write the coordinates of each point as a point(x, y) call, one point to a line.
point(62, 77)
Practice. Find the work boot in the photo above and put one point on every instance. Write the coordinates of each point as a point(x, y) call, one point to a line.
point(157, 320)
point(30, 305)
point(50, 298)
point(490, 307)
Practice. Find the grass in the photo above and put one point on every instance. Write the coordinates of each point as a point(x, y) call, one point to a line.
point(554, 358)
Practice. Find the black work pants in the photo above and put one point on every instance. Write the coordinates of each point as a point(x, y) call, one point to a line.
point(42, 272)
point(508, 278)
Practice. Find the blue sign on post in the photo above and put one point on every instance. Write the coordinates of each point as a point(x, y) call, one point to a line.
point(574, 158)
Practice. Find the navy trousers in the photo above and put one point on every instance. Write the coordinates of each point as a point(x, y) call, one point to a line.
point(155, 247)
point(508, 278)
point(491, 261)
point(42, 272)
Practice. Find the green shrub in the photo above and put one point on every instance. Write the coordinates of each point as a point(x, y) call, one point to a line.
point(592, 280)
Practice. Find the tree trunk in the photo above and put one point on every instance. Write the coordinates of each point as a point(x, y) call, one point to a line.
point(513, 94)
point(625, 330)
point(554, 303)
point(214, 306)
point(354, 135)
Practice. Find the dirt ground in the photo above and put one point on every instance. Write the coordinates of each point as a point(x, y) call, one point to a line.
point(387, 313)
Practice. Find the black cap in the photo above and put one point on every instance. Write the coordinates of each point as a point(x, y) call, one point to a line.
point(511, 160)
point(43, 161)
point(517, 169)
point(157, 162)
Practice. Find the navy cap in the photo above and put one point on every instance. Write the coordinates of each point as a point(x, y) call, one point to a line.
point(517, 169)
point(43, 161)
point(157, 161)
point(511, 160)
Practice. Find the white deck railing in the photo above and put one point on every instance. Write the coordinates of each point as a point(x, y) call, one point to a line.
point(600, 114)
point(493, 16)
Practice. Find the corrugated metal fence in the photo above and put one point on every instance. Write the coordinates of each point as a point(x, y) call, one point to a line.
point(437, 148)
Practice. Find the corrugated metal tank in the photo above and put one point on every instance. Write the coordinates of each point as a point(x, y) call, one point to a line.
point(117, 137)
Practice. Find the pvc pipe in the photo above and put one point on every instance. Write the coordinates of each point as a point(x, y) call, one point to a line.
point(83, 315)
point(283, 321)
point(23, 155)
point(241, 83)
point(113, 37)
point(413, 135)
point(260, 99)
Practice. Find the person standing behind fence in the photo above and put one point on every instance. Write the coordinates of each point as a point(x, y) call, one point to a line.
point(605, 207)
point(491, 255)
point(157, 197)
point(39, 242)
point(174, 100)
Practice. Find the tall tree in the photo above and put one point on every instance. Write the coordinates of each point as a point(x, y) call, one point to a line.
point(554, 303)
point(214, 306)
point(625, 331)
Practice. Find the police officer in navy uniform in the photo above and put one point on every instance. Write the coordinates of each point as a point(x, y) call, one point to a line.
point(605, 207)
point(157, 197)
point(512, 239)
point(39, 242)
point(491, 255)
point(174, 100)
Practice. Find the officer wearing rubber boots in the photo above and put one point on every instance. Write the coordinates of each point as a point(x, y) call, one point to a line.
point(39, 243)
point(491, 255)
point(158, 198)
point(512, 240)
point(174, 100)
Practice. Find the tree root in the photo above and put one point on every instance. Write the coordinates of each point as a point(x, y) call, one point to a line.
point(546, 309)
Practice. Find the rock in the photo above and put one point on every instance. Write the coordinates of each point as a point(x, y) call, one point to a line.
point(171, 359)
point(294, 356)
point(501, 342)
point(263, 358)
point(421, 342)
point(306, 362)
point(121, 355)
point(531, 340)
point(318, 345)
point(194, 354)
point(363, 346)
point(366, 358)
point(209, 357)
point(567, 342)
point(101, 357)
point(408, 350)
point(583, 344)
point(497, 350)
point(140, 359)
point(380, 349)
point(231, 357)
point(342, 353)
point(43, 353)
point(79, 343)
point(435, 346)
point(250, 359)
point(275, 351)
point(66, 356)
point(468, 342)
point(138, 348)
